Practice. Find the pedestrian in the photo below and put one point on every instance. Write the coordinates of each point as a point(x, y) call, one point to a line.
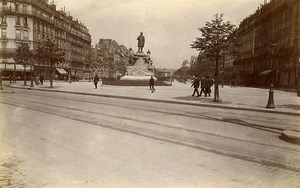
point(209, 83)
point(10, 79)
point(203, 86)
point(96, 80)
point(196, 84)
point(41, 79)
point(151, 84)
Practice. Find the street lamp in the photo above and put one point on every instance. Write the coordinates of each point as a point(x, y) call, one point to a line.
point(271, 91)
point(271, 97)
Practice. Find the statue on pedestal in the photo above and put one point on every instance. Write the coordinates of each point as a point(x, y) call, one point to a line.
point(141, 42)
point(140, 65)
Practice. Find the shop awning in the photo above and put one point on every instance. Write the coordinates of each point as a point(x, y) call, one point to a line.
point(61, 71)
point(265, 72)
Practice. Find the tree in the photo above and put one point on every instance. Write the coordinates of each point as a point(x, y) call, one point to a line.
point(90, 60)
point(183, 72)
point(121, 67)
point(23, 56)
point(217, 39)
point(51, 53)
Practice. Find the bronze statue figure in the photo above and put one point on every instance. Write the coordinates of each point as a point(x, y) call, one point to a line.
point(141, 42)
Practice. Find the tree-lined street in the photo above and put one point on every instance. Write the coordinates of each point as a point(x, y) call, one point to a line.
point(85, 141)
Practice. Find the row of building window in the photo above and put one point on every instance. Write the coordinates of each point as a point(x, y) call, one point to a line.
point(18, 33)
point(14, 7)
point(19, 20)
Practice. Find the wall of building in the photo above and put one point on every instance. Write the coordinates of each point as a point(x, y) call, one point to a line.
point(33, 22)
point(109, 52)
point(270, 40)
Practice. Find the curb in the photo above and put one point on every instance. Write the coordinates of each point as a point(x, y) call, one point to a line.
point(164, 101)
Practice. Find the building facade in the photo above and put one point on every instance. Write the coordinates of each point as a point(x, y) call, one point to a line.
point(270, 45)
point(112, 58)
point(33, 22)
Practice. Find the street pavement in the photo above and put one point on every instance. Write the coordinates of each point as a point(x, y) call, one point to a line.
point(240, 98)
point(53, 139)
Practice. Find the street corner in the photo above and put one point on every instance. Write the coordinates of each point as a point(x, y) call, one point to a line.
point(291, 136)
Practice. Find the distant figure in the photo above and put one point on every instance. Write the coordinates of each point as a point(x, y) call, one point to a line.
point(141, 42)
point(151, 84)
point(196, 86)
point(203, 86)
point(10, 79)
point(41, 79)
point(96, 80)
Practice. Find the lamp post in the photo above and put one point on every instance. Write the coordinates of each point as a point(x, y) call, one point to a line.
point(271, 97)
point(271, 91)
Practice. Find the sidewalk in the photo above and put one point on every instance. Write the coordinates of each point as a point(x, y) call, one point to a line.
point(240, 98)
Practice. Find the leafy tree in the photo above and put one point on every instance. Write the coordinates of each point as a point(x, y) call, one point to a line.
point(103, 64)
point(183, 72)
point(51, 53)
point(203, 66)
point(121, 67)
point(217, 38)
point(90, 60)
point(24, 56)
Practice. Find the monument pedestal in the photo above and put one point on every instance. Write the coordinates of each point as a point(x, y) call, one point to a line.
point(141, 70)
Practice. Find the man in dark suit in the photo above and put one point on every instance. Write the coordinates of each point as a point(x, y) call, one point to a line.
point(151, 84)
point(196, 86)
point(141, 42)
point(96, 80)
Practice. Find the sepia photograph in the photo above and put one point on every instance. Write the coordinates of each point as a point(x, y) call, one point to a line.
point(149, 94)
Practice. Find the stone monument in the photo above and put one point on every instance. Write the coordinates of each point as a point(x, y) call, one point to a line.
point(140, 68)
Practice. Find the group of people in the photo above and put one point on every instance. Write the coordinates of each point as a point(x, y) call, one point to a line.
point(205, 83)
point(38, 79)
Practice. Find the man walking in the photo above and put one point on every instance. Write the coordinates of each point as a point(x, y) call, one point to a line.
point(96, 80)
point(196, 86)
point(203, 86)
point(41, 79)
point(151, 84)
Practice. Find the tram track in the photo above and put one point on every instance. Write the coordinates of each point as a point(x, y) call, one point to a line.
point(212, 115)
point(193, 138)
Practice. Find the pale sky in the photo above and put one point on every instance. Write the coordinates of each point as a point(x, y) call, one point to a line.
point(169, 26)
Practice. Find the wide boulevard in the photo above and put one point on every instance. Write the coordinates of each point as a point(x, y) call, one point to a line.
point(50, 139)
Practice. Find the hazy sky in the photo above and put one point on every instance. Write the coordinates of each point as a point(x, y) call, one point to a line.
point(169, 26)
